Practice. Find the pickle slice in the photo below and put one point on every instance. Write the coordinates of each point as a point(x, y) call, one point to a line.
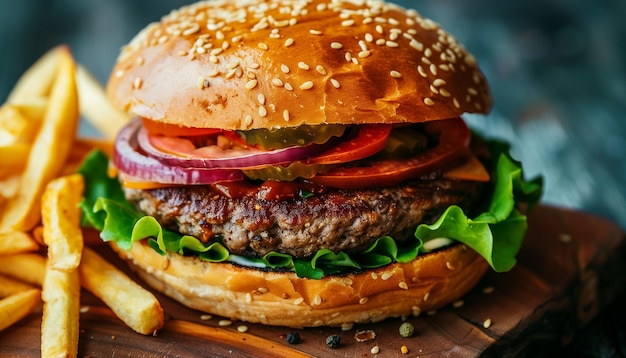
point(292, 136)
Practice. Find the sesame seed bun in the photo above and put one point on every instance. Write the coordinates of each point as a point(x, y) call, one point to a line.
point(281, 298)
point(249, 64)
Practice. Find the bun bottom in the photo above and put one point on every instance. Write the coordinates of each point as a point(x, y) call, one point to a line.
point(283, 299)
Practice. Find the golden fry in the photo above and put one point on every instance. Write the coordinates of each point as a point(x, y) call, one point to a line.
point(133, 304)
point(10, 286)
point(37, 80)
point(61, 222)
point(15, 242)
point(49, 151)
point(17, 306)
point(16, 126)
point(95, 106)
point(29, 268)
point(14, 157)
point(61, 309)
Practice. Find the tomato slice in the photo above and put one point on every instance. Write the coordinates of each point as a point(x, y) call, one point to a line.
point(175, 130)
point(369, 140)
point(454, 137)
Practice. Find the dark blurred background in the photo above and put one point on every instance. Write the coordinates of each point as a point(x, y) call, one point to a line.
point(557, 69)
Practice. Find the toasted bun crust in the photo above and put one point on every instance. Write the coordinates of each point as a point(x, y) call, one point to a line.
point(400, 289)
point(266, 64)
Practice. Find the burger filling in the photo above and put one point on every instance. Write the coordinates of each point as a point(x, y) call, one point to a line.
point(316, 200)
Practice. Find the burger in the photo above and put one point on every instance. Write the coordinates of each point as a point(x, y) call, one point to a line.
point(305, 163)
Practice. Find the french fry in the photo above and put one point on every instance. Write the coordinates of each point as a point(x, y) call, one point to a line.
point(61, 222)
point(14, 157)
point(49, 151)
point(135, 306)
point(59, 326)
point(37, 80)
point(17, 125)
point(29, 268)
point(15, 242)
point(10, 286)
point(95, 106)
point(17, 306)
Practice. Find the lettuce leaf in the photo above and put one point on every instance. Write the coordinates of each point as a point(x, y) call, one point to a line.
point(496, 233)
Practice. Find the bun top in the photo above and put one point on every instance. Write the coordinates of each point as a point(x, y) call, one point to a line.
point(245, 64)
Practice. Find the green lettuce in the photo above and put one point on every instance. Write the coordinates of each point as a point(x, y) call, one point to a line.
point(496, 233)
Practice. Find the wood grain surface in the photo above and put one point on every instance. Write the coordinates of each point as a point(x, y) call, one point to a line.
point(569, 269)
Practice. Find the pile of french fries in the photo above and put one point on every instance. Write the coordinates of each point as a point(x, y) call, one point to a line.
point(43, 257)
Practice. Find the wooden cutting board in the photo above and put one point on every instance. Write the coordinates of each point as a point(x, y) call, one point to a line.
point(570, 267)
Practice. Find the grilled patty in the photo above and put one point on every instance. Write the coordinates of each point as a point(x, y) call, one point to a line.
point(339, 220)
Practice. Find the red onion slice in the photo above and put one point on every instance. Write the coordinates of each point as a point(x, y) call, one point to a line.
point(254, 160)
point(129, 160)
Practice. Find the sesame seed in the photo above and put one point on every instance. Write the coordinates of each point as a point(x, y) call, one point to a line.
point(203, 83)
point(84, 309)
point(315, 32)
point(416, 45)
point(298, 301)
point(458, 304)
point(288, 86)
point(380, 42)
point(213, 73)
point(205, 317)
point(286, 115)
point(426, 60)
point(247, 121)
point(364, 54)
point(306, 85)
point(433, 69)
point(119, 73)
point(320, 69)
point(374, 276)
point(137, 83)
point(369, 37)
point(224, 322)
point(182, 53)
point(262, 290)
point(391, 44)
point(426, 296)
point(289, 42)
point(421, 71)
point(284, 68)
point(379, 29)
point(386, 276)
point(317, 300)
point(395, 74)
point(428, 101)
point(403, 285)
point(263, 46)
point(261, 99)
point(363, 300)
point(303, 66)
point(140, 61)
point(439, 82)
point(242, 329)
point(277, 82)
point(375, 350)
point(487, 323)
point(254, 65)
point(444, 67)
point(262, 113)
point(428, 52)
point(434, 89)
point(335, 83)
point(216, 51)
point(231, 73)
point(456, 103)
point(472, 91)
point(348, 22)
point(444, 92)
point(450, 265)
point(336, 45)
point(489, 289)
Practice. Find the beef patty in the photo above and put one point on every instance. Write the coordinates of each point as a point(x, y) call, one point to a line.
point(339, 220)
